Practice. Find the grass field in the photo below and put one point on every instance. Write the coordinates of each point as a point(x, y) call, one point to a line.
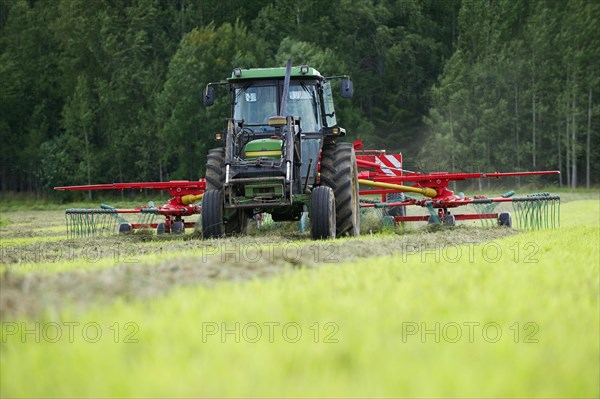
point(454, 312)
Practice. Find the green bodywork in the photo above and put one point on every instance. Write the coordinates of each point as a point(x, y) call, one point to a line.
point(263, 148)
point(257, 190)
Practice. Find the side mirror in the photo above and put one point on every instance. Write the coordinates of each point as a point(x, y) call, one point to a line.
point(347, 89)
point(209, 96)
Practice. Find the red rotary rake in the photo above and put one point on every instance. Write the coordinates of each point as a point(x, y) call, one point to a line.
point(184, 193)
point(381, 172)
point(384, 173)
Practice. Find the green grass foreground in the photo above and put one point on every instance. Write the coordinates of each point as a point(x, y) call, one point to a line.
point(515, 317)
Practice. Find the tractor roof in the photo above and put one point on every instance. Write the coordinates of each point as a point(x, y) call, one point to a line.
point(239, 74)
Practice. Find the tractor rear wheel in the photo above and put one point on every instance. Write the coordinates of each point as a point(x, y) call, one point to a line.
point(212, 214)
point(215, 169)
point(322, 213)
point(237, 220)
point(340, 173)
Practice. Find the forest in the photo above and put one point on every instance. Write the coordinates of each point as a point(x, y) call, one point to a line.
point(100, 91)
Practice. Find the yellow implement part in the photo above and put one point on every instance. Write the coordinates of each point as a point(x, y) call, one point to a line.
point(277, 121)
point(263, 153)
point(190, 199)
point(426, 191)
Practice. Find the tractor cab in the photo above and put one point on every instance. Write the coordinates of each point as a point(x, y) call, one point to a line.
point(256, 102)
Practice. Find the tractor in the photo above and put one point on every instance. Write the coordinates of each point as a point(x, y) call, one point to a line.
point(280, 154)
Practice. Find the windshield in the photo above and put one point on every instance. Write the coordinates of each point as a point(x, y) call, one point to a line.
point(256, 104)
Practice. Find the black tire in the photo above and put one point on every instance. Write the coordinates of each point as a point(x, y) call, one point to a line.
point(322, 213)
point(212, 214)
point(178, 227)
point(340, 173)
point(395, 210)
point(125, 228)
point(161, 228)
point(450, 220)
point(237, 223)
point(215, 169)
point(505, 220)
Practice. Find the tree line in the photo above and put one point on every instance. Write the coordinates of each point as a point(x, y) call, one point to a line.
point(111, 90)
point(521, 89)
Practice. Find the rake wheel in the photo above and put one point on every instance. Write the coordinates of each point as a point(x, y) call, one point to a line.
point(161, 228)
point(178, 227)
point(505, 220)
point(125, 228)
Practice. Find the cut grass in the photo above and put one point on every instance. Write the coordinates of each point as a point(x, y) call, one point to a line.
point(100, 271)
point(370, 308)
point(547, 278)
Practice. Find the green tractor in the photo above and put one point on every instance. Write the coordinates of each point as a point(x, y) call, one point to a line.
point(279, 154)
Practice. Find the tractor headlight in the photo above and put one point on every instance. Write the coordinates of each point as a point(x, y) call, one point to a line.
point(304, 69)
point(237, 72)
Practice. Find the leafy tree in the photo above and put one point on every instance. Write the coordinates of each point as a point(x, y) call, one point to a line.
point(110, 90)
point(528, 71)
point(29, 100)
point(205, 55)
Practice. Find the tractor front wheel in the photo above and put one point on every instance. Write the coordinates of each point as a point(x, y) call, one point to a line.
point(322, 213)
point(212, 214)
